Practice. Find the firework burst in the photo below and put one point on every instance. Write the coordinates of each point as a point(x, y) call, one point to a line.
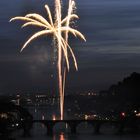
point(59, 28)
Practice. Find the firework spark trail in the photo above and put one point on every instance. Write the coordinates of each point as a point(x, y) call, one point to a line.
point(57, 29)
point(59, 64)
point(70, 12)
point(60, 55)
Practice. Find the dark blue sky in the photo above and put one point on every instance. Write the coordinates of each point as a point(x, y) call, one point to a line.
point(112, 50)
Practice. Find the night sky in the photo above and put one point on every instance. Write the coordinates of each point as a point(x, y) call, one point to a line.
point(112, 50)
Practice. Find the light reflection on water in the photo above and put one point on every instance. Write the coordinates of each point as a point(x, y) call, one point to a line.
point(40, 133)
point(60, 137)
point(82, 137)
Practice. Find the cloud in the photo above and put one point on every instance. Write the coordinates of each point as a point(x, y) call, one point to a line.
point(112, 29)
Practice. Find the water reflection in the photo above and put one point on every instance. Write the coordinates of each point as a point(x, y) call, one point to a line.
point(61, 137)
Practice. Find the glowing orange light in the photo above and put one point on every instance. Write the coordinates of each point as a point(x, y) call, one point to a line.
point(54, 118)
point(123, 114)
point(86, 117)
point(138, 114)
point(62, 137)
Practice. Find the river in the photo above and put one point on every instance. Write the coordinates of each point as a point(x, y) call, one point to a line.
point(84, 132)
point(80, 136)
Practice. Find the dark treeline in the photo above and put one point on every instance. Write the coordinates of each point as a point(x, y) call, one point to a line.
point(125, 95)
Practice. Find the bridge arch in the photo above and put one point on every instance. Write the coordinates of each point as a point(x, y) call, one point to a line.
point(61, 127)
point(85, 127)
point(39, 128)
point(89, 126)
point(109, 128)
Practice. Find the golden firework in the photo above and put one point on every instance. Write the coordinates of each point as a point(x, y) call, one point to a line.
point(59, 28)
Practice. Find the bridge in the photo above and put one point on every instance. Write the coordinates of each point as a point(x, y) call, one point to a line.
point(49, 124)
